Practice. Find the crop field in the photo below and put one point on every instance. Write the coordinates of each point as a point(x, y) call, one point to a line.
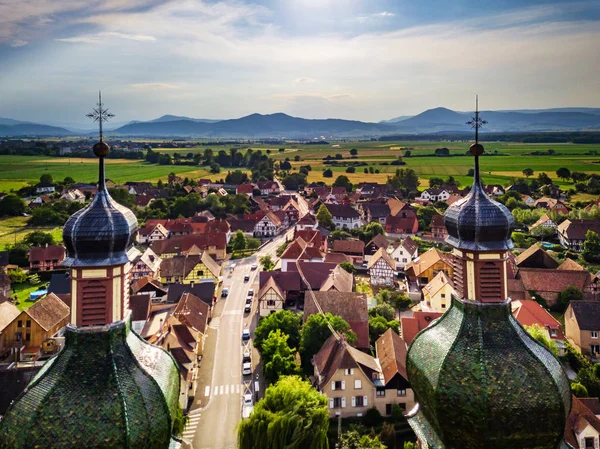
point(15, 229)
point(508, 162)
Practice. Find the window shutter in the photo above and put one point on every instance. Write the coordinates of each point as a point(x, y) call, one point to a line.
point(365, 401)
point(333, 386)
point(582, 442)
point(343, 402)
point(595, 442)
point(343, 384)
point(353, 401)
point(330, 402)
point(352, 371)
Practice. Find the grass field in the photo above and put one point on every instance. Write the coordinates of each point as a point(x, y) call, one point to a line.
point(15, 229)
point(16, 171)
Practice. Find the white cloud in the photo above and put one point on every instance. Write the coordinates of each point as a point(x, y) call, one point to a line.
point(99, 38)
point(304, 80)
point(153, 86)
point(18, 43)
point(384, 14)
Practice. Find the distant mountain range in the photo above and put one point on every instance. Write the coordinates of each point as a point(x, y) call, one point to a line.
point(281, 125)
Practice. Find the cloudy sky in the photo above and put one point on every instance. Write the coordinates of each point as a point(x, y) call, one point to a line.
point(355, 59)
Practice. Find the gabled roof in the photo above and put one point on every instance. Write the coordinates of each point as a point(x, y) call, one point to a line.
point(8, 312)
point(287, 281)
point(437, 221)
point(273, 218)
point(399, 222)
point(391, 352)
point(270, 284)
point(543, 219)
point(570, 264)
point(437, 283)
point(536, 257)
point(300, 249)
point(311, 236)
point(60, 283)
point(192, 312)
point(151, 260)
point(529, 312)
point(149, 284)
point(349, 246)
point(379, 241)
point(576, 229)
point(578, 419)
point(339, 279)
point(337, 258)
point(307, 220)
point(342, 210)
point(245, 225)
point(49, 311)
point(426, 261)
point(592, 403)
point(351, 306)
point(381, 254)
point(140, 307)
point(587, 314)
point(315, 273)
point(183, 243)
point(204, 290)
point(50, 252)
point(409, 245)
point(545, 280)
point(411, 326)
point(338, 354)
point(377, 210)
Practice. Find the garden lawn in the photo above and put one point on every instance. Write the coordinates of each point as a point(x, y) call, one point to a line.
point(15, 229)
point(23, 291)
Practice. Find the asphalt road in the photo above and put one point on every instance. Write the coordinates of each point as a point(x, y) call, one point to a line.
point(217, 407)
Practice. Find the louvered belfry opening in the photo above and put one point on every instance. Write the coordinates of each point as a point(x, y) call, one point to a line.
point(458, 276)
point(94, 301)
point(490, 283)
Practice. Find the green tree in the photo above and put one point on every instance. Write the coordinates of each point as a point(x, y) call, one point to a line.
point(354, 152)
point(12, 205)
point(327, 173)
point(409, 445)
point(316, 331)
point(39, 238)
point(238, 242)
point(591, 247)
point(68, 181)
point(388, 435)
point(17, 276)
point(378, 325)
point(46, 178)
point(348, 267)
point(588, 377)
point(372, 417)
point(324, 217)
point(281, 249)
point(522, 240)
point(571, 293)
point(285, 320)
point(540, 334)
point(278, 358)
point(435, 182)
point(351, 169)
point(267, 263)
point(384, 310)
point(563, 173)
point(122, 197)
point(352, 439)
point(215, 168)
point(18, 254)
point(394, 298)
point(579, 390)
point(527, 172)
point(293, 415)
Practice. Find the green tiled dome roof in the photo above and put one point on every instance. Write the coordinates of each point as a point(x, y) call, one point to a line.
point(108, 388)
point(483, 383)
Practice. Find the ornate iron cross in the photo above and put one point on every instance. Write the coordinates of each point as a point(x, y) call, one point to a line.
point(476, 122)
point(100, 114)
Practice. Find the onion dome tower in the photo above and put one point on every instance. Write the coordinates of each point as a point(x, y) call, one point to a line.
point(107, 388)
point(480, 380)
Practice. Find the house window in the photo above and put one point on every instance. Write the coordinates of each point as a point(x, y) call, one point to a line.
point(28, 323)
point(553, 332)
point(337, 402)
point(200, 273)
point(594, 334)
point(380, 392)
point(359, 401)
point(20, 323)
point(357, 384)
point(595, 349)
point(401, 392)
point(443, 295)
point(589, 443)
point(339, 385)
point(404, 259)
point(349, 371)
point(270, 303)
point(443, 305)
point(28, 337)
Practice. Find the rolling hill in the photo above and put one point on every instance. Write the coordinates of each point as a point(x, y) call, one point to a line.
point(32, 129)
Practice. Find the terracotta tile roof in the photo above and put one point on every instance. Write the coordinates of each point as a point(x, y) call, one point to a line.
point(528, 312)
point(379, 241)
point(400, 224)
point(311, 236)
point(546, 280)
point(244, 188)
point(396, 206)
point(426, 261)
point(307, 220)
point(205, 290)
point(49, 311)
point(453, 199)
point(516, 289)
point(339, 279)
point(543, 219)
point(270, 284)
point(300, 249)
point(409, 245)
point(242, 224)
point(570, 264)
point(140, 307)
point(349, 246)
point(419, 321)
point(381, 254)
point(536, 257)
point(345, 211)
point(587, 314)
point(391, 352)
point(578, 419)
point(376, 210)
point(182, 244)
point(337, 258)
point(50, 252)
point(338, 354)
point(351, 306)
point(179, 265)
point(151, 260)
point(287, 281)
point(576, 229)
point(592, 403)
point(8, 312)
point(142, 200)
point(315, 272)
point(192, 312)
point(147, 281)
point(437, 221)
point(437, 283)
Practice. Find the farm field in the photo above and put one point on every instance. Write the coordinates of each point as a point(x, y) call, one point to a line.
point(512, 158)
point(15, 229)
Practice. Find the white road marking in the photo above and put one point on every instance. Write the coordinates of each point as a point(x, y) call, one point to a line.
point(226, 389)
point(237, 389)
point(216, 391)
point(207, 391)
point(221, 389)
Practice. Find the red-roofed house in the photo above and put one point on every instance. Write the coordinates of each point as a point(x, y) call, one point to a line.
point(246, 189)
point(299, 249)
point(529, 312)
point(411, 326)
point(46, 258)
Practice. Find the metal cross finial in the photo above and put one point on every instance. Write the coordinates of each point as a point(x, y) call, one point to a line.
point(476, 122)
point(100, 114)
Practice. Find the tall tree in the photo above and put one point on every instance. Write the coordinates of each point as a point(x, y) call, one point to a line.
point(284, 320)
point(238, 243)
point(315, 332)
point(563, 173)
point(267, 263)
point(527, 172)
point(278, 358)
point(12, 205)
point(46, 178)
point(293, 415)
point(39, 238)
point(324, 217)
point(591, 247)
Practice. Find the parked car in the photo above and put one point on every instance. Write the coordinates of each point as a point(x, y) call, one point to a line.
point(248, 400)
point(251, 292)
point(246, 277)
point(253, 267)
point(246, 368)
point(248, 300)
point(246, 334)
point(247, 357)
point(247, 307)
point(224, 292)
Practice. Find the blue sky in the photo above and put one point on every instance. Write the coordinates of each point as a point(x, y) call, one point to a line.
point(355, 59)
